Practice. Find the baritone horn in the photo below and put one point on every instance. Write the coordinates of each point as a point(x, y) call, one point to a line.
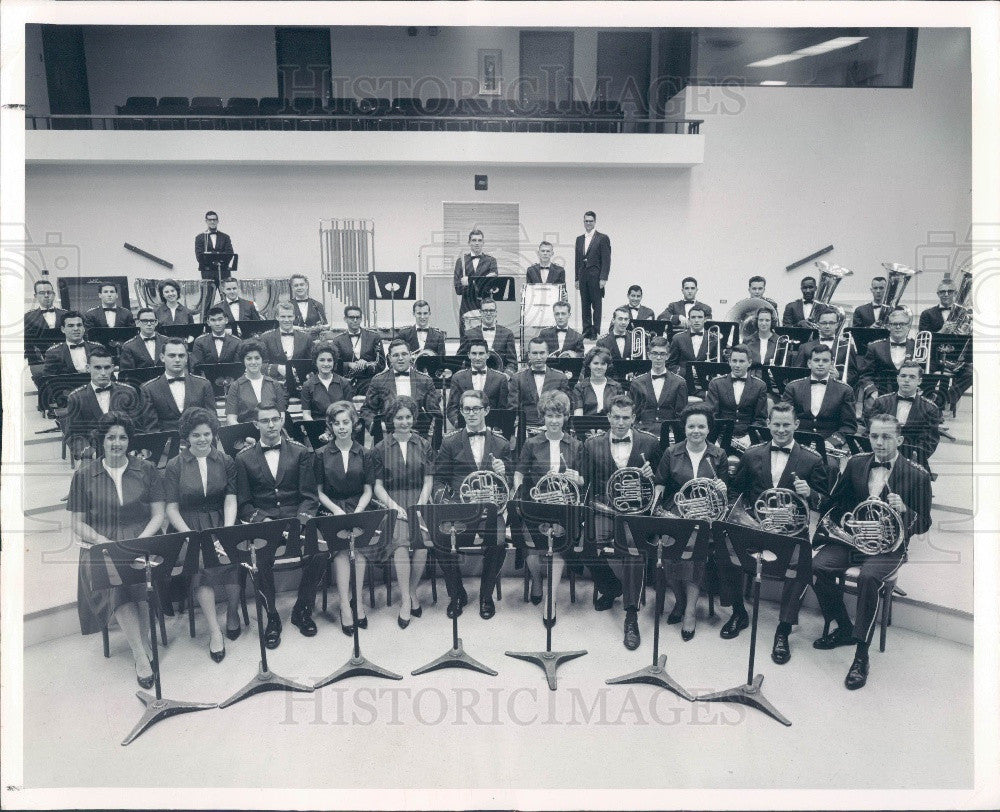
point(871, 528)
point(639, 339)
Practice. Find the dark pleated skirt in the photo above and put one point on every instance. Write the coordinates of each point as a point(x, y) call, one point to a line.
point(212, 572)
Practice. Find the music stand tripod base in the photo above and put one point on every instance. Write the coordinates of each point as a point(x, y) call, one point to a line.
point(455, 658)
point(157, 709)
point(653, 675)
point(748, 695)
point(548, 660)
point(264, 681)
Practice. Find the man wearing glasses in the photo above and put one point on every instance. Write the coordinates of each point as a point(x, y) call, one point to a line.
point(144, 349)
point(360, 351)
point(659, 394)
point(498, 338)
point(213, 249)
point(933, 319)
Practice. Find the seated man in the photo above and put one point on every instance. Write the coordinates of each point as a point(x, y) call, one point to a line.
point(738, 396)
point(805, 311)
point(822, 403)
point(658, 395)
point(235, 308)
point(360, 351)
point(690, 345)
point(869, 314)
point(109, 313)
point(526, 387)
point(913, 411)
point(399, 379)
point(756, 286)
point(877, 370)
point(40, 320)
point(480, 377)
point(933, 319)
point(474, 448)
point(216, 346)
point(422, 336)
point(637, 310)
point(87, 404)
point(827, 324)
point(545, 271)
point(143, 350)
point(276, 479)
point(905, 487)
point(618, 341)
point(286, 343)
point(166, 397)
point(562, 338)
point(677, 312)
point(308, 312)
point(70, 356)
point(498, 338)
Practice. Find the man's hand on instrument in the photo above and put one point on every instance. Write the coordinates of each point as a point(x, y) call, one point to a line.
point(498, 466)
point(647, 470)
point(720, 485)
point(896, 503)
point(573, 475)
point(801, 486)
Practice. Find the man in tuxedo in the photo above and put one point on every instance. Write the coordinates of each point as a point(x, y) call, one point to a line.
point(70, 356)
point(213, 249)
point(421, 336)
point(235, 308)
point(216, 346)
point(474, 448)
point(87, 404)
point(109, 313)
point(869, 314)
point(545, 271)
point(906, 487)
point(779, 463)
point(659, 395)
point(166, 397)
point(689, 345)
point(827, 322)
point(756, 286)
point(497, 337)
point(399, 379)
point(822, 403)
point(603, 454)
point(562, 338)
point(933, 318)
point(479, 377)
point(284, 344)
point(276, 479)
point(526, 387)
point(40, 320)
point(884, 357)
point(636, 309)
point(920, 416)
point(144, 349)
point(473, 264)
point(308, 312)
point(361, 353)
point(738, 396)
point(677, 312)
point(803, 312)
point(616, 341)
point(593, 265)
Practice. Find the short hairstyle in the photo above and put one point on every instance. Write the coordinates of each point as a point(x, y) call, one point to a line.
point(215, 311)
point(554, 400)
point(478, 394)
point(632, 288)
point(267, 406)
point(590, 214)
point(230, 279)
point(420, 303)
point(249, 346)
point(196, 416)
point(763, 310)
point(807, 279)
point(623, 309)
point(950, 283)
point(545, 242)
point(397, 403)
point(351, 308)
point(175, 340)
point(879, 279)
point(782, 407)
point(286, 306)
point(100, 351)
point(753, 279)
point(888, 419)
point(538, 340)
point(596, 352)
point(697, 309)
point(698, 408)
point(476, 231)
point(622, 402)
point(562, 303)
point(900, 309)
point(42, 282)
point(322, 347)
point(398, 342)
point(210, 214)
point(108, 421)
point(103, 285)
point(141, 310)
point(658, 341)
point(487, 300)
point(339, 407)
point(295, 276)
point(70, 314)
point(687, 279)
point(830, 312)
point(819, 349)
point(743, 348)
point(912, 365)
point(168, 283)
point(478, 342)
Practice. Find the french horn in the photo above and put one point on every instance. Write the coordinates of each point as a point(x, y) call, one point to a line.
point(555, 489)
point(629, 491)
point(782, 511)
point(701, 498)
point(485, 486)
point(871, 528)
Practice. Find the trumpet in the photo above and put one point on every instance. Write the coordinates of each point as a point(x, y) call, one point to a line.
point(713, 333)
point(638, 338)
point(871, 528)
point(701, 498)
point(922, 350)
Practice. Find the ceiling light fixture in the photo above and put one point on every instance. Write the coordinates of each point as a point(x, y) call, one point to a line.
point(771, 61)
point(773, 83)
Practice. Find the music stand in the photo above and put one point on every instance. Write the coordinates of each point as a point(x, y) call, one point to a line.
point(112, 338)
point(189, 332)
point(810, 439)
point(799, 335)
point(221, 376)
point(857, 444)
point(621, 370)
point(758, 551)
point(584, 426)
point(497, 288)
point(863, 336)
point(451, 528)
point(153, 551)
point(241, 543)
point(394, 285)
point(654, 327)
point(352, 533)
point(572, 368)
point(549, 528)
point(140, 375)
point(729, 331)
point(664, 537)
point(702, 372)
point(777, 378)
point(248, 328)
point(441, 368)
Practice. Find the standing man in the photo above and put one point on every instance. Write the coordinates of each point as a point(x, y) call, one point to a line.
point(308, 312)
point(658, 395)
point(235, 308)
point(213, 249)
point(144, 349)
point(546, 272)
point(479, 377)
point(216, 346)
point(422, 336)
point(498, 338)
point(562, 338)
point(87, 404)
point(45, 317)
point(361, 353)
point(868, 314)
point(637, 310)
point(166, 397)
point(526, 387)
point(803, 311)
point(593, 264)
point(109, 313)
point(399, 379)
point(472, 265)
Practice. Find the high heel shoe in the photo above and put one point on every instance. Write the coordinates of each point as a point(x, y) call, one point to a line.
point(687, 635)
point(217, 656)
point(144, 682)
point(416, 612)
point(348, 630)
point(363, 623)
point(402, 623)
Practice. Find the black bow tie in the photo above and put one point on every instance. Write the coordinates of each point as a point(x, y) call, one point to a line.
point(76, 346)
point(886, 465)
point(560, 329)
point(816, 382)
point(421, 329)
point(287, 334)
point(621, 439)
point(659, 377)
point(175, 380)
point(904, 397)
point(782, 449)
point(47, 310)
point(479, 372)
point(110, 309)
point(266, 448)
point(477, 433)
point(401, 374)
point(944, 307)
point(102, 388)
point(741, 380)
point(488, 329)
point(897, 343)
point(698, 334)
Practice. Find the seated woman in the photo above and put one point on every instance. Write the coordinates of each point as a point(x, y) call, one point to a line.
point(550, 451)
point(692, 457)
point(763, 345)
point(344, 477)
point(595, 390)
point(324, 386)
point(252, 387)
point(200, 488)
point(404, 475)
point(114, 498)
point(171, 311)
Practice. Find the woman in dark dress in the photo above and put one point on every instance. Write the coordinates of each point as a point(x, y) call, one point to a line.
point(404, 475)
point(200, 487)
point(682, 462)
point(171, 311)
point(252, 387)
point(550, 451)
point(763, 345)
point(324, 386)
point(114, 498)
point(345, 486)
point(595, 390)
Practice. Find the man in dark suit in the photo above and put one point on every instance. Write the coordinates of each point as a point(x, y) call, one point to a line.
point(216, 346)
point(526, 387)
point(803, 312)
point(399, 379)
point(480, 377)
point(474, 448)
point(546, 272)
point(562, 338)
point(919, 418)
point(87, 404)
point(593, 264)
point(884, 357)
point(677, 312)
point(308, 312)
point(43, 319)
point(70, 356)
point(235, 308)
point(109, 313)
point(284, 344)
point(905, 487)
point(869, 314)
point(933, 318)
point(144, 349)
point(497, 337)
point(636, 309)
point(361, 353)
point(690, 345)
point(421, 336)
point(276, 479)
point(827, 322)
point(624, 446)
point(822, 403)
point(779, 463)
point(658, 395)
point(473, 264)
point(616, 341)
point(213, 249)
point(164, 398)
point(738, 396)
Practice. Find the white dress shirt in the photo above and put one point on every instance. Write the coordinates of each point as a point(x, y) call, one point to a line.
point(779, 462)
point(898, 354)
point(903, 410)
point(258, 387)
point(878, 477)
point(203, 470)
point(50, 319)
point(696, 339)
point(355, 345)
point(620, 452)
point(489, 335)
point(272, 458)
point(478, 445)
point(219, 344)
point(303, 308)
point(116, 477)
point(620, 341)
point(555, 454)
point(762, 348)
point(421, 339)
point(696, 458)
point(738, 387)
point(816, 395)
point(539, 381)
point(658, 386)
point(403, 385)
point(111, 317)
point(599, 392)
point(103, 399)
point(807, 309)
point(543, 274)
point(288, 344)
point(479, 380)
point(587, 238)
point(151, 347)
point(177, 393)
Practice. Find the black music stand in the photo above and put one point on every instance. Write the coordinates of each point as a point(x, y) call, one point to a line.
point(572, 368)
point(241, 543)
point(441, 368)
point(497, 288)
point(664, 537)
point(153, 551)
point(799, 335)
point(729, 331)
point(758, 551)
point(654, 327)
point(140, 375)
point(777, 378)
point(702, 372)
point(813, 440)
point(189, 332)
point(623, 371)
point(392, 285)
point(221, 376)
point(857, 444)
point(352, 533)
point(548, 528)
point(451, 528)
point(863, 336)
point(249, 328)
point(585, 426)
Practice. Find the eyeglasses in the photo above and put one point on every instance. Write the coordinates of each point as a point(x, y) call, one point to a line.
point(268, 421)
point(472, 409)
point(147, 321)
point(354, 316)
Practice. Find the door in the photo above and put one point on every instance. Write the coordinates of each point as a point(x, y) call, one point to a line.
point(546, 67)
point(66, 74)
point(303, 62)
point(623, 70)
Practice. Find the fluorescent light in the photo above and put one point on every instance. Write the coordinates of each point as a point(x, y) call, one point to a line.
point(771, 61)
point(773, 83)
point(830, 45)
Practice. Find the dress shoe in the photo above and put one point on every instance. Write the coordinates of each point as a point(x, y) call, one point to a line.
point(416, 612)
point(732, 627)
point(631, 631)
point(217, 656)
point(536, 599)
point(687, 635)
point(463, 598)
point(234, 634)
point(606, 600)
point(348, 630)
point(780, 652)
point(487, 608)
point(676, 615)
point(301, 617)
point(858, 675)
point(272, 632)
point(454, 608)
point(402, 623)
point(144, 682)
point(841, 636)
point(363, 622)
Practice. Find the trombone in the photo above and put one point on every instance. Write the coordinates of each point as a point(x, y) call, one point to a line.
point(782, 347)
point(638, 339)
point(844, 340)
point(922, 350)
point(713, 332)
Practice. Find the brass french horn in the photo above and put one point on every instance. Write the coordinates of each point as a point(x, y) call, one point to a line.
point(873, 527)
point(555, 489)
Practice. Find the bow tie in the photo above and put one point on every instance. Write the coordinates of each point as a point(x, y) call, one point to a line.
point(621, 439)
point(99, 389)
point(109, 309)
point(287, 334)
point(944, 307)
point(698, 334)
point(488, 329)
point(405, 374)
point(560, 329)
point(782, 449)
point(47, 310)
point(741, 380)
point(175, 380)
point(886, 465)
point(479, 372)
point(477, 433)
point(76, 346)
point(421, 329)
point(659, 377)
point(904, 397)
point(816, 382)
point(266, 448)
point(538, 372)
point(897, 343)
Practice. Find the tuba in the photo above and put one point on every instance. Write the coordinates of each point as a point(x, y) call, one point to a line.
point(871, 528)
point(485, 486)
point(899, 277)
point(555, 489)
point(830, 276)
point(744, 313)
point(701, 498)
point(629, 492)
point(782, 511)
